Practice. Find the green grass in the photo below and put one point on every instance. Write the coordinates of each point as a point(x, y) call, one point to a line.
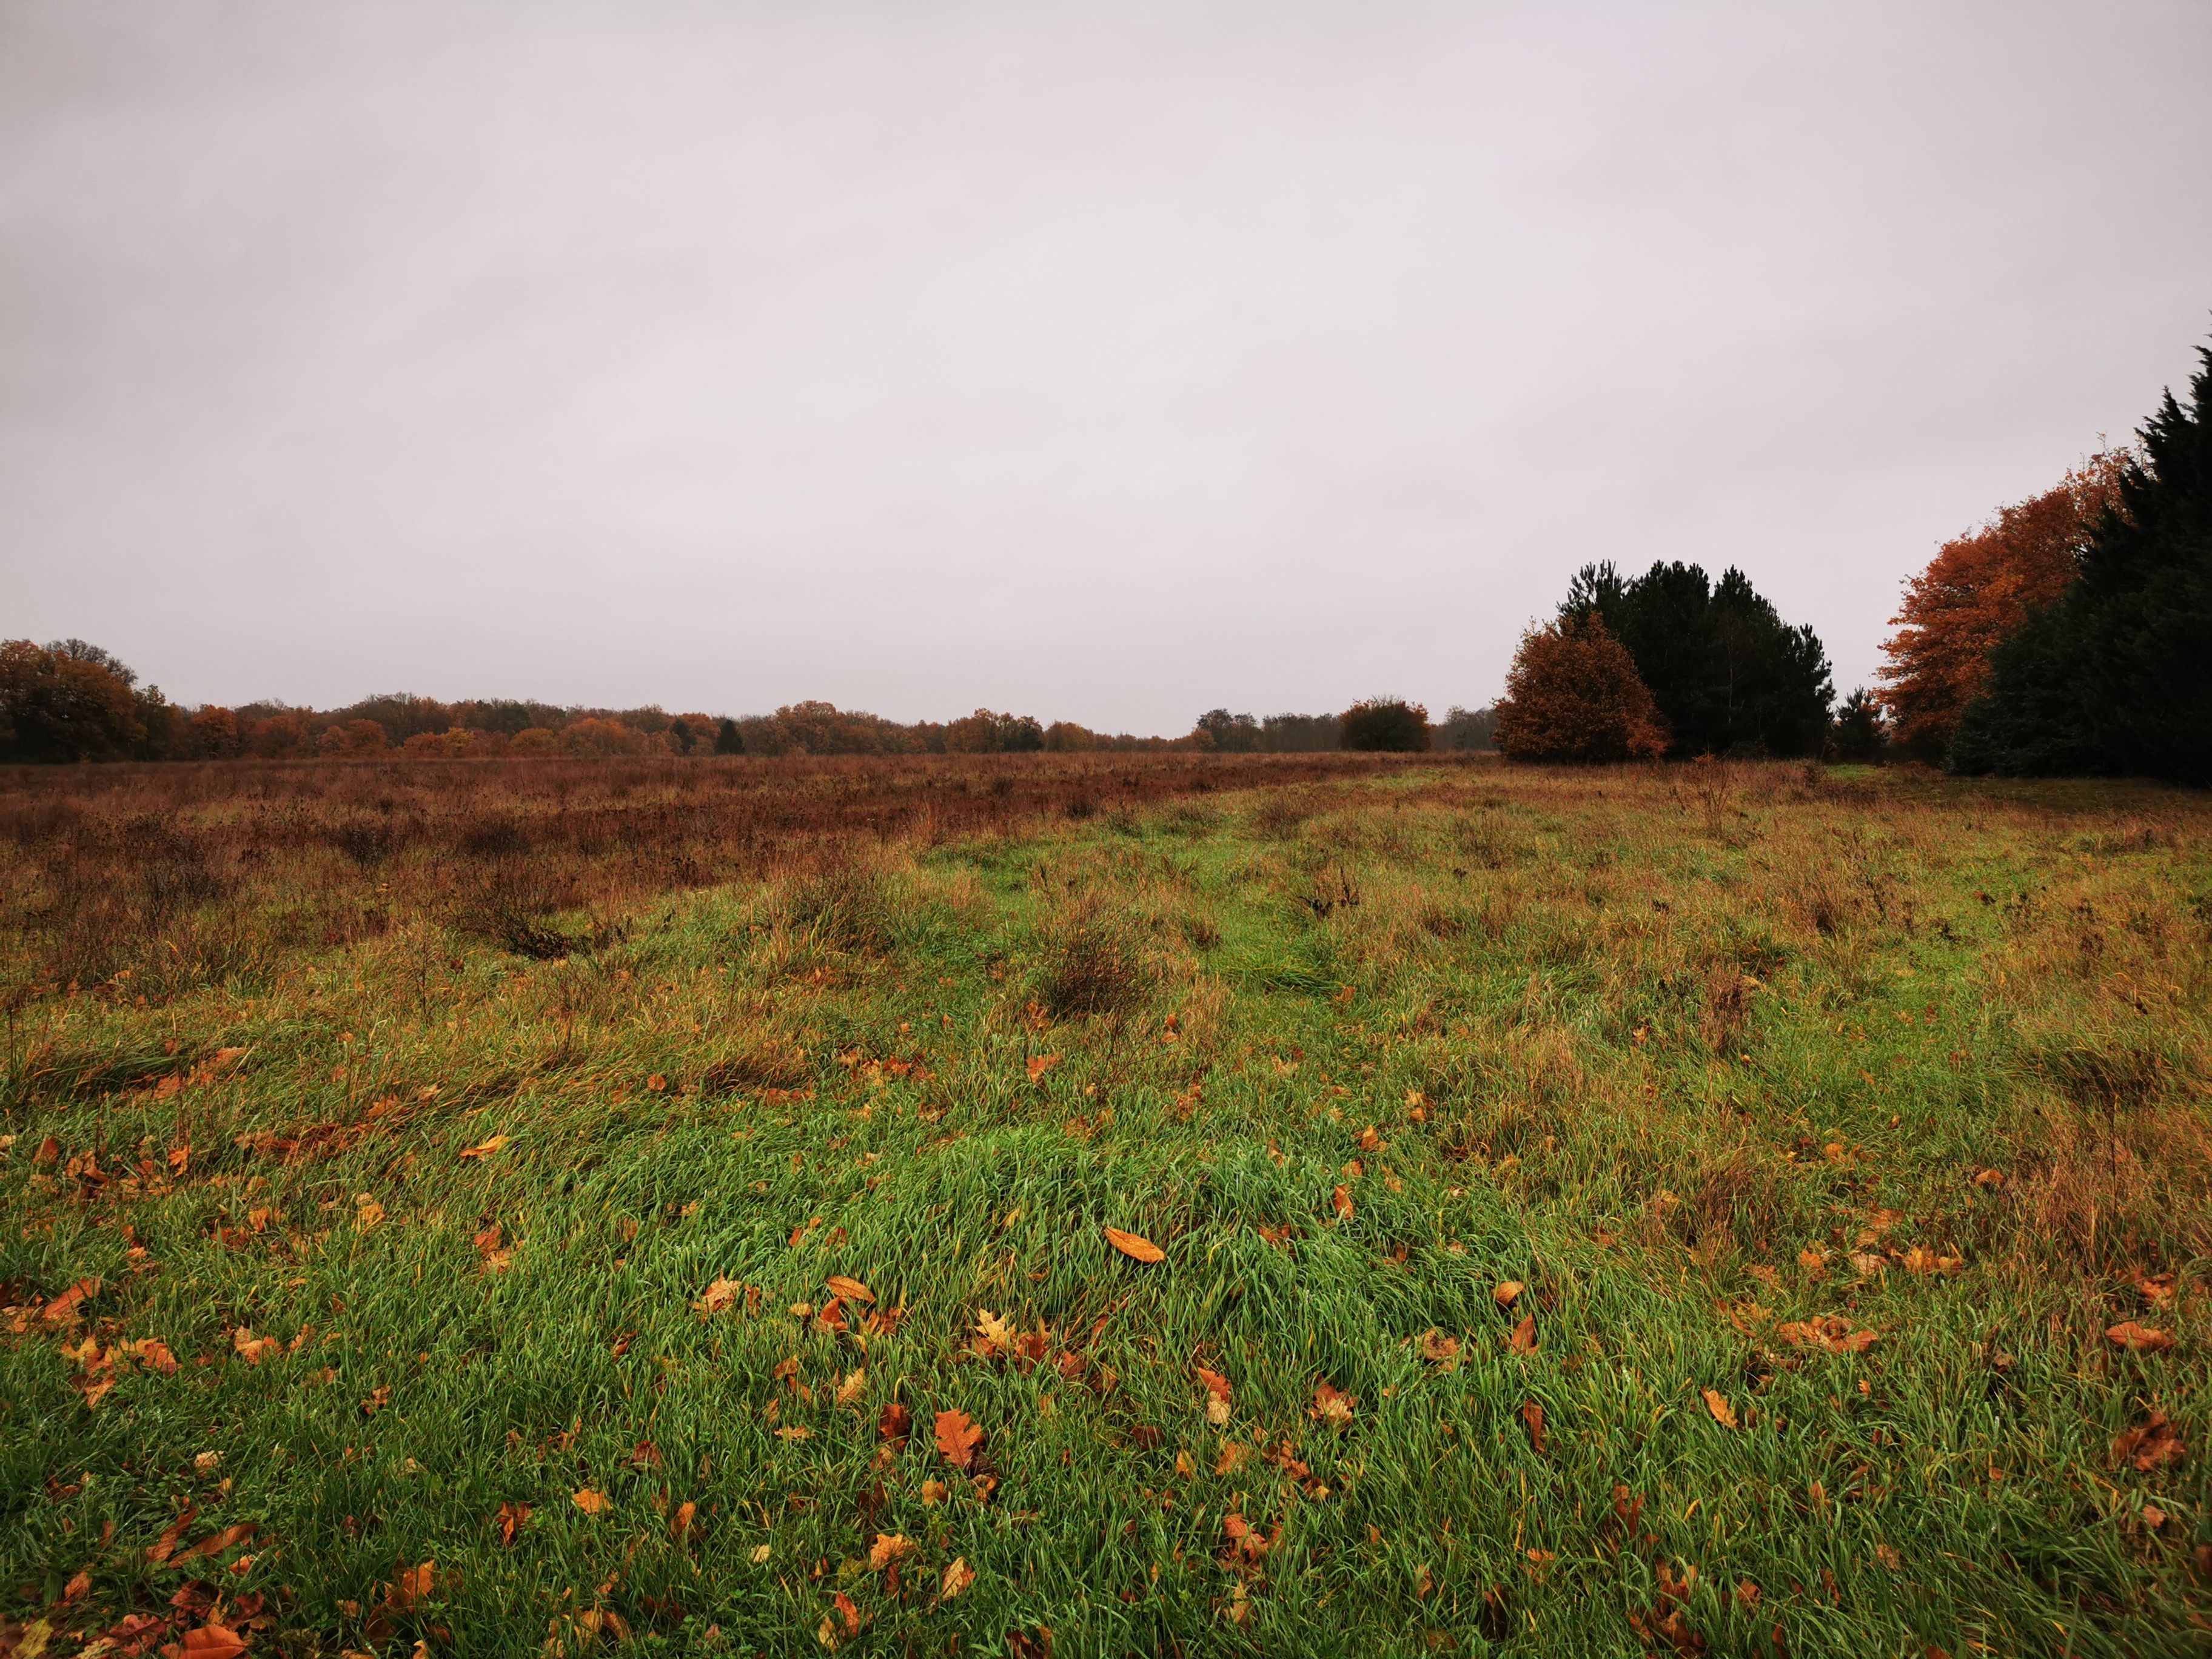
point(1668, 1049)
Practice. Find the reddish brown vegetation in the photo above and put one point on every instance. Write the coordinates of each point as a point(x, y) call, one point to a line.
point(1573, 694)
point(1978, 590)
point(172, 876)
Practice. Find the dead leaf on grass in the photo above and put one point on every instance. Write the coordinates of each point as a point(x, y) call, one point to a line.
point(957, 1439)
point(2138, 1339)
point(1134, 1246)
point(1717, 1404)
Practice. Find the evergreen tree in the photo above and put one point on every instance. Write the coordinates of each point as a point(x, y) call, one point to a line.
point(2116, 676)
point(1729, 675)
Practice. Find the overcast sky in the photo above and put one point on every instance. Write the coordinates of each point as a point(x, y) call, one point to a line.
point(1102, 363)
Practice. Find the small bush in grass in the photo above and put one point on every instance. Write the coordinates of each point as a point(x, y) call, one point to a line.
point(1573, 694)
point(1386, 726)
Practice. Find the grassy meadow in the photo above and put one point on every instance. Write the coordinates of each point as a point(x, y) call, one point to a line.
point(474, 1208)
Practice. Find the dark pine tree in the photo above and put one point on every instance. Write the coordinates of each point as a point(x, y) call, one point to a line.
point(1730, 676)
point(2116, 676)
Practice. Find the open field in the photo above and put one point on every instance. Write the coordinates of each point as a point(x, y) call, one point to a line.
point(1672, 1210)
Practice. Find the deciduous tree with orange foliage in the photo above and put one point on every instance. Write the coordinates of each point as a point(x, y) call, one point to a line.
point(1573, 694)
point(1977, 592)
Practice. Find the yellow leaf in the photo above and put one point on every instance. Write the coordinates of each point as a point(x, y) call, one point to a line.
point(487, 1149)
point(958, 1577)
point(1717, 1403)
point(591, 1503)
point(1508, 1293)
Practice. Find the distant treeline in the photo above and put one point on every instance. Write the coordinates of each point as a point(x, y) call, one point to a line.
point(69, 701)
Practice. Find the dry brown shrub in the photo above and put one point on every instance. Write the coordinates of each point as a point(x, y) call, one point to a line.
point(1573, 694)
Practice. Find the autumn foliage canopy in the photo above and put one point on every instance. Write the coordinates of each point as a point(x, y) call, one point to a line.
point(1573, 694)
point(1976, 593)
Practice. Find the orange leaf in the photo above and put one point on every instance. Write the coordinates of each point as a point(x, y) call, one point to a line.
point(851, 1289)
point(487, 1149)
point(216, 1543)
point(1040, 1064)
point(1216, 1384)
point(1524, 1334)
point(173, 1531)
point(1134, 1246)
point(64, 1306)
point(889, 1549)
point(1717, 1403)
point(1332, 1406)
point(512, 1519)
point(719, 1294)
point(1508, 1293)
point(1533, 1415)
point(681, 1526)
point(1342, 1202)
point(896, 1423)
point(2138, 1339)
point(213, 1641)
point(957, 1438)
point(1438, 1349)
point(591, 1503)
point(156, 1352)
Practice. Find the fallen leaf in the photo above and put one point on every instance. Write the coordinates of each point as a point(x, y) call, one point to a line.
point(851, 1613)
point(993, 1335)
point(487, 1148)
point(719, 1294)
point(2138, 1339)
point(2152, 1445)
point(795, 1433)
point(152, 1351)
point(1342, 1203)
point(933, 1491)
point(1533, 1415)
point(591, 1503)
point(64, 1306)
point(2153, 1516)
point(1332, 1406)
point(1440, 1350)
point(167, 1542)
point(957, 1438)
point(761, 1555)
point(851, 1289)
point(1235, 1454)
point(958, 1575)
point(1134, 1246)
point(1524, 1334)
point(1369, 1139)
point(216, 1543)
point(1830, 1332)
point(1717, 1403)
point(679, 1525)
point(1508, 1293)
point(212, 1642)
point(896, 1423)
point(1887, 1555)
point(855, 1385)
point(512, 1517)
point(1040, 1064)
point(1216, 1396)
point(889, 1549)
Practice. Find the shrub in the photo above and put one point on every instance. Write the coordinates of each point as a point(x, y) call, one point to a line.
point(1573, 694)
point(1859, 733)
point(1385, 725)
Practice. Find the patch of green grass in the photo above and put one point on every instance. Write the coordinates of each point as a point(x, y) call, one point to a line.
point(1695, 1057)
